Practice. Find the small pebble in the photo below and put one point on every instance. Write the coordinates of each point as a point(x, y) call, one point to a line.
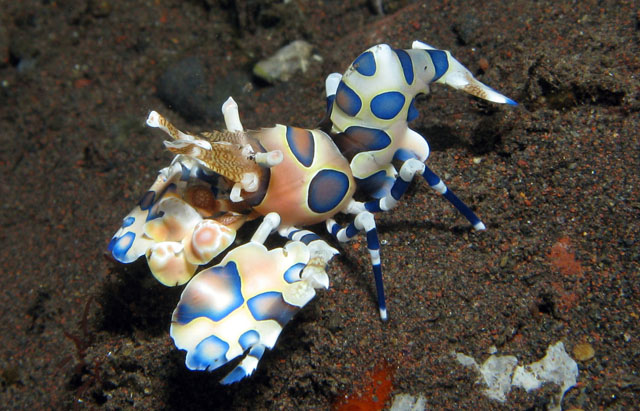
point(583, 352)
point(182, 87)
point(483, 64)
point(100, 8)
point(288, 61)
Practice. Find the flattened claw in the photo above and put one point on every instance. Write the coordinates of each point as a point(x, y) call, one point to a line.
point(130, 242)
point(460, 78)
point(240, 306)
point(168, 227)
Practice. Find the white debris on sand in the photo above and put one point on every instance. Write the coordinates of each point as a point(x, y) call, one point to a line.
point(499, 373)
point(407, 402)
point(496, 373)
point(294, 58)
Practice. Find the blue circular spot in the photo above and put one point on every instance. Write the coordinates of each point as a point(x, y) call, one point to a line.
point(387, 105)
point(365, 64)
point(348, 100)
point(128, 221)
point(326, 190)
point(249, 339)
point(367, 139)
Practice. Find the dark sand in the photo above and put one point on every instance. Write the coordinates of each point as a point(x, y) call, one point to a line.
point(555, 180)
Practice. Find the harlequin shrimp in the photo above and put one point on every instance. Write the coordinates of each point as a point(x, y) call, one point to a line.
point(291, 177)
point(295, 174)
point(370, 106)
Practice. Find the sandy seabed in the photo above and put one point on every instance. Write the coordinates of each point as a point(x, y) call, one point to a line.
point(554, 179)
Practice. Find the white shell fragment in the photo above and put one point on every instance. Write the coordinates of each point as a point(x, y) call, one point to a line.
point(407, 402)
point(556, 367)
point(495, 372)
point(499, 373)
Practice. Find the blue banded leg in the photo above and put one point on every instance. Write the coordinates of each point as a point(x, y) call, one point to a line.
point(320, 253)
point(246, 367)
point(409, 169)
point(364, 221)
point(436, 183)
point(296, 234)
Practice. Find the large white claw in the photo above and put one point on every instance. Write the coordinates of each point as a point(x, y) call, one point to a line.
point(458, 77)
point(240, 306)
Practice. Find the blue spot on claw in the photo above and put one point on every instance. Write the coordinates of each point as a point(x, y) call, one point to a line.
point(209, 354)
point(365, 64)
point(387, 105)
point(128, 221)
point(249, 339)
point(348, 100)
point(440, 63)
point(271, 306)
point(407, 65)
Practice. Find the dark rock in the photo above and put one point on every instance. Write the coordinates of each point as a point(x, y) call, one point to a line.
point(183, 89)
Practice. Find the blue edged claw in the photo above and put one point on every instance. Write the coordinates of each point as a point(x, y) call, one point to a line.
point(240, 306)
point(455, 75)
point(184, 220)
